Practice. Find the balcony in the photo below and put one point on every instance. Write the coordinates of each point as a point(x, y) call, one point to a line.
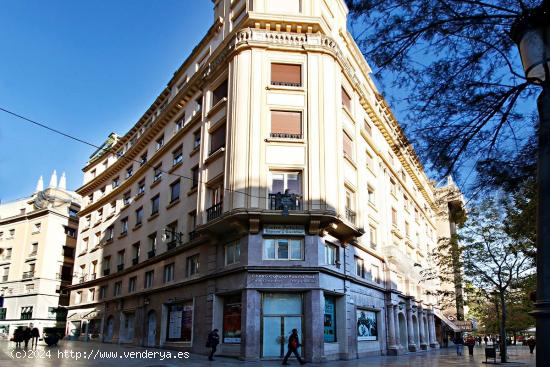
point(120, 267)
point(4, 278)
point(92, 276)
point(106, 272)
point(82, 279)
point(214, 211)
point(285, 202)
point(135, 260)
point(28, 275)
point(33, 253)
point(151, 254)
point(350, 215)
point(171, 245)
point(285, 136)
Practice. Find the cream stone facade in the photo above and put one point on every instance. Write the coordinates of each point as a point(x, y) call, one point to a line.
point(268, 187)
point(37, 241)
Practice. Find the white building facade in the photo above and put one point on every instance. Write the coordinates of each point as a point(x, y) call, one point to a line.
point(268, 187)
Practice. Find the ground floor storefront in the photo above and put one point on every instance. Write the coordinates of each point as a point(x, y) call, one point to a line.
point(255, 312)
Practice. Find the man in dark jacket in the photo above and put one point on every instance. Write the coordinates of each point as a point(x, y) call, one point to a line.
point(293, 345)
point(26, 336)
point(213, 341)
point(35, 334)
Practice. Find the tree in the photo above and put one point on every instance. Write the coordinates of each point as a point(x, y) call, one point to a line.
point(493, 262)
point(461, 73)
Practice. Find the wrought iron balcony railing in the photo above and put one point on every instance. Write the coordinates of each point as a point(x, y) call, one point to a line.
point(151, 253)
point(28, 275)
point(214, 211)
point(285, 201)
point(350, 215)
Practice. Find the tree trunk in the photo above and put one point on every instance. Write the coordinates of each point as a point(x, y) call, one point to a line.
point(457, 275)
point(503, 350)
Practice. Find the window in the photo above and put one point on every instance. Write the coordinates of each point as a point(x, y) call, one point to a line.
point(129, 171)
point(7, 253)
point(152, 244)
point(93, 173)
point(78, 297)
point(348, 146)
point(368, 128)
point(141, 187)
point(350, 206)
point(175, 191)
point(196, 139)
point(179, 123)
point(168, 273)
point(372, 236)
point(219, 93)
point(87, 221)
point(135, 253)
point(29, 288)
point(393, 216)
point(180, 322)
point(393, 187)
point(12, 232)
point(195, 176)
point(103, 292)
point(375, 274)
point(232, 253)
point(90, 198)
point(192, 265)
point(99, 215)
point(177, 156)
point(232, 307)
point(217, 139)
point(286, 182)
point(120, 260)
point(286, 124)
point(70, 232)
point(155, 204)
point(3, 313)
point(198, 104)
point(283, 249)
point(124, 226)
point(148, 280)
point(157, 172)
point(359, 267)
point(346, 100)
point(84, 246)
point(371, 196)
point(116, 182)
point(126, 198)
point(160, 142)
point(331, 254)
point(330, 319)
point(37, 227)
point(407, 229)
point(132, 284)
point(289, 75)
point(370, 162)
point(26, 313)
point(110, 233)
point(106, 264)
point(91, 294)
point(406, 203)
point(117, 290)
point(112, 210)
point(139, 216)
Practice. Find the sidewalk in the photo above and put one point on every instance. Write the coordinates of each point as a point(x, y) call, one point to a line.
point(114, 355)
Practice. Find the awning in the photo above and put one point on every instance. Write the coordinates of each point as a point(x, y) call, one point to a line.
point(446, 321)
point(26, 309)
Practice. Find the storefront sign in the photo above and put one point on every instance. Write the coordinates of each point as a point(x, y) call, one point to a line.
point(367, 325)
point(283, 280)
point(288, 230)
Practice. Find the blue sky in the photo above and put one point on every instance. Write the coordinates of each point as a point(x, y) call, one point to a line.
point(86, 68)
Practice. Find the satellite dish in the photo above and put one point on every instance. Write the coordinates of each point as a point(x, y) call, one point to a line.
point(164, 237)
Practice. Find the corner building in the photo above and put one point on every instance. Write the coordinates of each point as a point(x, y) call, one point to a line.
point(267, 188)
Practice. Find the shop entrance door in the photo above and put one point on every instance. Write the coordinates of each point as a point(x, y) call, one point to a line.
point(281, 314)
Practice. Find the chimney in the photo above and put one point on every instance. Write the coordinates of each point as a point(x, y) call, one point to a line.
point(53, 180)
point(40, 184)
point(62, 182)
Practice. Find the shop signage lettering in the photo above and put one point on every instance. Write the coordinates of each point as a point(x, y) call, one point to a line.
point(283, 279)
point(292, 230)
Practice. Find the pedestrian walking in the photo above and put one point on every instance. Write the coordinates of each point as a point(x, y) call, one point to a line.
point(531, 342)
point(486, 339)
point(293, 345)
point(26, 336)
point(212, 343)
point(18, 337)
point(459, 343)
point(35, 334)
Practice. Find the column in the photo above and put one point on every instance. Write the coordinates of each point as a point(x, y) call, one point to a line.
point(397, 329)
point(314, 344)
point(250, 325)
point(410, 330)
point(423, 344)
point(433, 338)
point(392, 347)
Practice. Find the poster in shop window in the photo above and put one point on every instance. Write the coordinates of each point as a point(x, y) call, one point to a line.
point(174, 322)
point(232, 320)
point(367, 325)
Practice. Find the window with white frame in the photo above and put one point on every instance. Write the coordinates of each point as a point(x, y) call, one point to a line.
point(280, 182)
point(359, 267)
point(283, 249)
point(331, 254)
point(192, 265)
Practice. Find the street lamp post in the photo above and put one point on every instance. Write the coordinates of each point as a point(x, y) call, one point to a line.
point(531, 32)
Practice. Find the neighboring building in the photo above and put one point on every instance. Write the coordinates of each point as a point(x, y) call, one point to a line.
point(37, 242)
point(268, 187)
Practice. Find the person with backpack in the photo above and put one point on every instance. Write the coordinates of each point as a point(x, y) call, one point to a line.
point(212, 342)
point(293, 345)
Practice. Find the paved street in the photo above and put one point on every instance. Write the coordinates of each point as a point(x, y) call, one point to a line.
point(84, 354)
